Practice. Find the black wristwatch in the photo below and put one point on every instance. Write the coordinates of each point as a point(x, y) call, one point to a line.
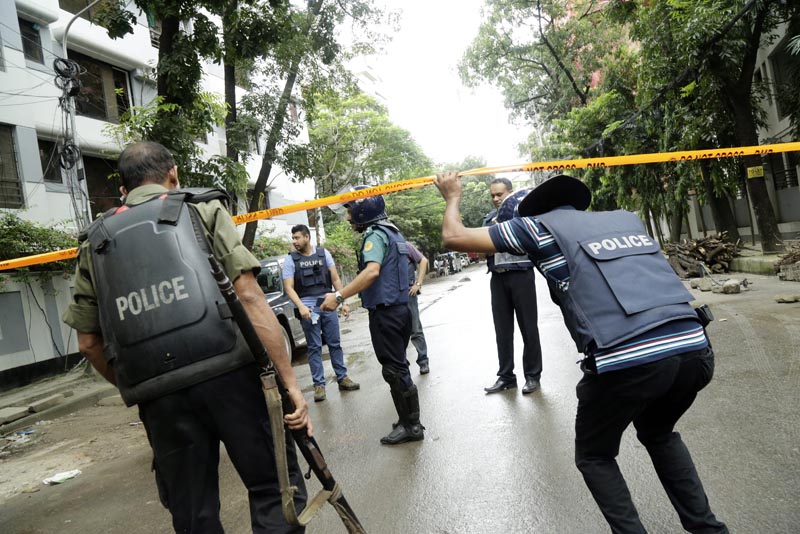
point(339, 298)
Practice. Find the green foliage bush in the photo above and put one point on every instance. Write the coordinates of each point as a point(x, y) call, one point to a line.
point(19, 238)
point(267, 246)
point(343, 244)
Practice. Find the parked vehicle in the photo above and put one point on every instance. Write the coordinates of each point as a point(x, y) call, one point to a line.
point(271, 281)
point(464, 259)
point(474, 257)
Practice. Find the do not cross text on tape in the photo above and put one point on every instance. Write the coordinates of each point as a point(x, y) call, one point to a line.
point(414, 183)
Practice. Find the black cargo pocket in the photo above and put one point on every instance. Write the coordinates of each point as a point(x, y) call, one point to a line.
point(634, 269)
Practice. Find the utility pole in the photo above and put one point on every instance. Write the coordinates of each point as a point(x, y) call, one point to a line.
point(71, 159)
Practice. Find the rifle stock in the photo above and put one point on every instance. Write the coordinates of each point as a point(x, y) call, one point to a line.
point(273, 385)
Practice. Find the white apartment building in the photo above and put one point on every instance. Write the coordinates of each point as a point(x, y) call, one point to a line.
point(32, 182)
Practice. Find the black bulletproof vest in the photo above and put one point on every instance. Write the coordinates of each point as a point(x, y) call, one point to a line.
point(165, 323)
point(312, 278)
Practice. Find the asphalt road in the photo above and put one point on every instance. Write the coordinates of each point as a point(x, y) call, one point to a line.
point(501, 463)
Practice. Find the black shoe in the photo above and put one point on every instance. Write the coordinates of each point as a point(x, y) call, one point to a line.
point(501, 385)
point(531, 385)
point(402, 434)
point(424, 369)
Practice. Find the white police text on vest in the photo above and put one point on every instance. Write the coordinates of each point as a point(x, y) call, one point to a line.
point(152, 297)
point(614, 243)
point(304, 264)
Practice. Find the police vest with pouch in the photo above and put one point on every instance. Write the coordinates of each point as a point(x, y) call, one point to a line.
point(391, 287)
point(312, 278)
point(504, 260)
point(165, 323)
point(620, 285)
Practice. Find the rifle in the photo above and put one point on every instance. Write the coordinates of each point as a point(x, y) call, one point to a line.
point(278, 403)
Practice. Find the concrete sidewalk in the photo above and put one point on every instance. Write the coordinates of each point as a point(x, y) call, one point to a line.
point(51, 398)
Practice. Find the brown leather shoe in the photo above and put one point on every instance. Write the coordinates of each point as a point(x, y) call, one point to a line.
point(345, 384)
point(319, 393)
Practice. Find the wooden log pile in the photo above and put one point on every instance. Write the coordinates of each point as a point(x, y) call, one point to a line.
point(715, 252)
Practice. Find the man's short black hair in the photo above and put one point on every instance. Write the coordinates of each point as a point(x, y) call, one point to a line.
point(302, 228)
point(505, 181)
point(144, 162)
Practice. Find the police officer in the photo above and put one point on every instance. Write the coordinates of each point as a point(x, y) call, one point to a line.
point(513, 291)
point(382, 282)
point(308, 273)
point(150, 318)
point(646, 351)
point(417, 268)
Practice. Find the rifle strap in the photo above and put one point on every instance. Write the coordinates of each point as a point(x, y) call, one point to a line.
point(275, 409)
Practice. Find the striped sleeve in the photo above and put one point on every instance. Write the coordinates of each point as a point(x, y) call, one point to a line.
point(528, 236)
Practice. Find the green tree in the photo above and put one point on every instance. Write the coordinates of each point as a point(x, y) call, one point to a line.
point(343, 243)
point(310, 56)
point(269, 246)
point(717, 41)
point(352, 141)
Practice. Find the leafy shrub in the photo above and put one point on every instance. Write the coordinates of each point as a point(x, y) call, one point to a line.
point(342, 243)
point(267, 246)
point(19, 238)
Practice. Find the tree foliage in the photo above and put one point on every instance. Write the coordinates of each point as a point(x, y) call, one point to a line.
point(352, 141)
point(342, 242)
point(312, 57)
point(633, 76)
point(20, 238)
point(269, 246)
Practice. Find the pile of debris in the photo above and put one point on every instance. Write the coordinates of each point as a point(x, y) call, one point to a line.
point(788, 266)
point(689, 257)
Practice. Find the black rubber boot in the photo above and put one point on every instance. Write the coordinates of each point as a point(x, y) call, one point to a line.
point(408, 427)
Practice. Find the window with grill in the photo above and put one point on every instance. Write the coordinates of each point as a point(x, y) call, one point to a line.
point(11, 195)
point(784, 65)
point(48, 155)
point(31, 41)
point(105, 92)
point(784, 172)
point(102, 182)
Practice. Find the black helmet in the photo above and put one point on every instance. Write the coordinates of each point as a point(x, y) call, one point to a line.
point(366, 210)
point(509, 208)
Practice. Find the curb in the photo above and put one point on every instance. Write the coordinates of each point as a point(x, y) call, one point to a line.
point(754, 264)
point(72, 404)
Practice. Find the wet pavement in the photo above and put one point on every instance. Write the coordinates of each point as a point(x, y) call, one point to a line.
point(502, 463)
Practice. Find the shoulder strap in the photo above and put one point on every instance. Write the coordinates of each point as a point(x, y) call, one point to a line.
point(197, 195)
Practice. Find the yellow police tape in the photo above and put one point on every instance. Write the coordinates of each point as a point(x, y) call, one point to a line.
point(414, 183)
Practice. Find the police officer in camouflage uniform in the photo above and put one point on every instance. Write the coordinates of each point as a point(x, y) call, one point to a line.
point(150, 318)
point(382, 283)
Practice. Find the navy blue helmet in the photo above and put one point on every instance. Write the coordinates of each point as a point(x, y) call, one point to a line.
point(366, 210)
point(510, 206)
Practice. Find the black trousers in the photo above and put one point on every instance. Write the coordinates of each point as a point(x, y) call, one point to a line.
point(185, 429)
point(653, 397)
point(515, 291)
point(390, 330)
